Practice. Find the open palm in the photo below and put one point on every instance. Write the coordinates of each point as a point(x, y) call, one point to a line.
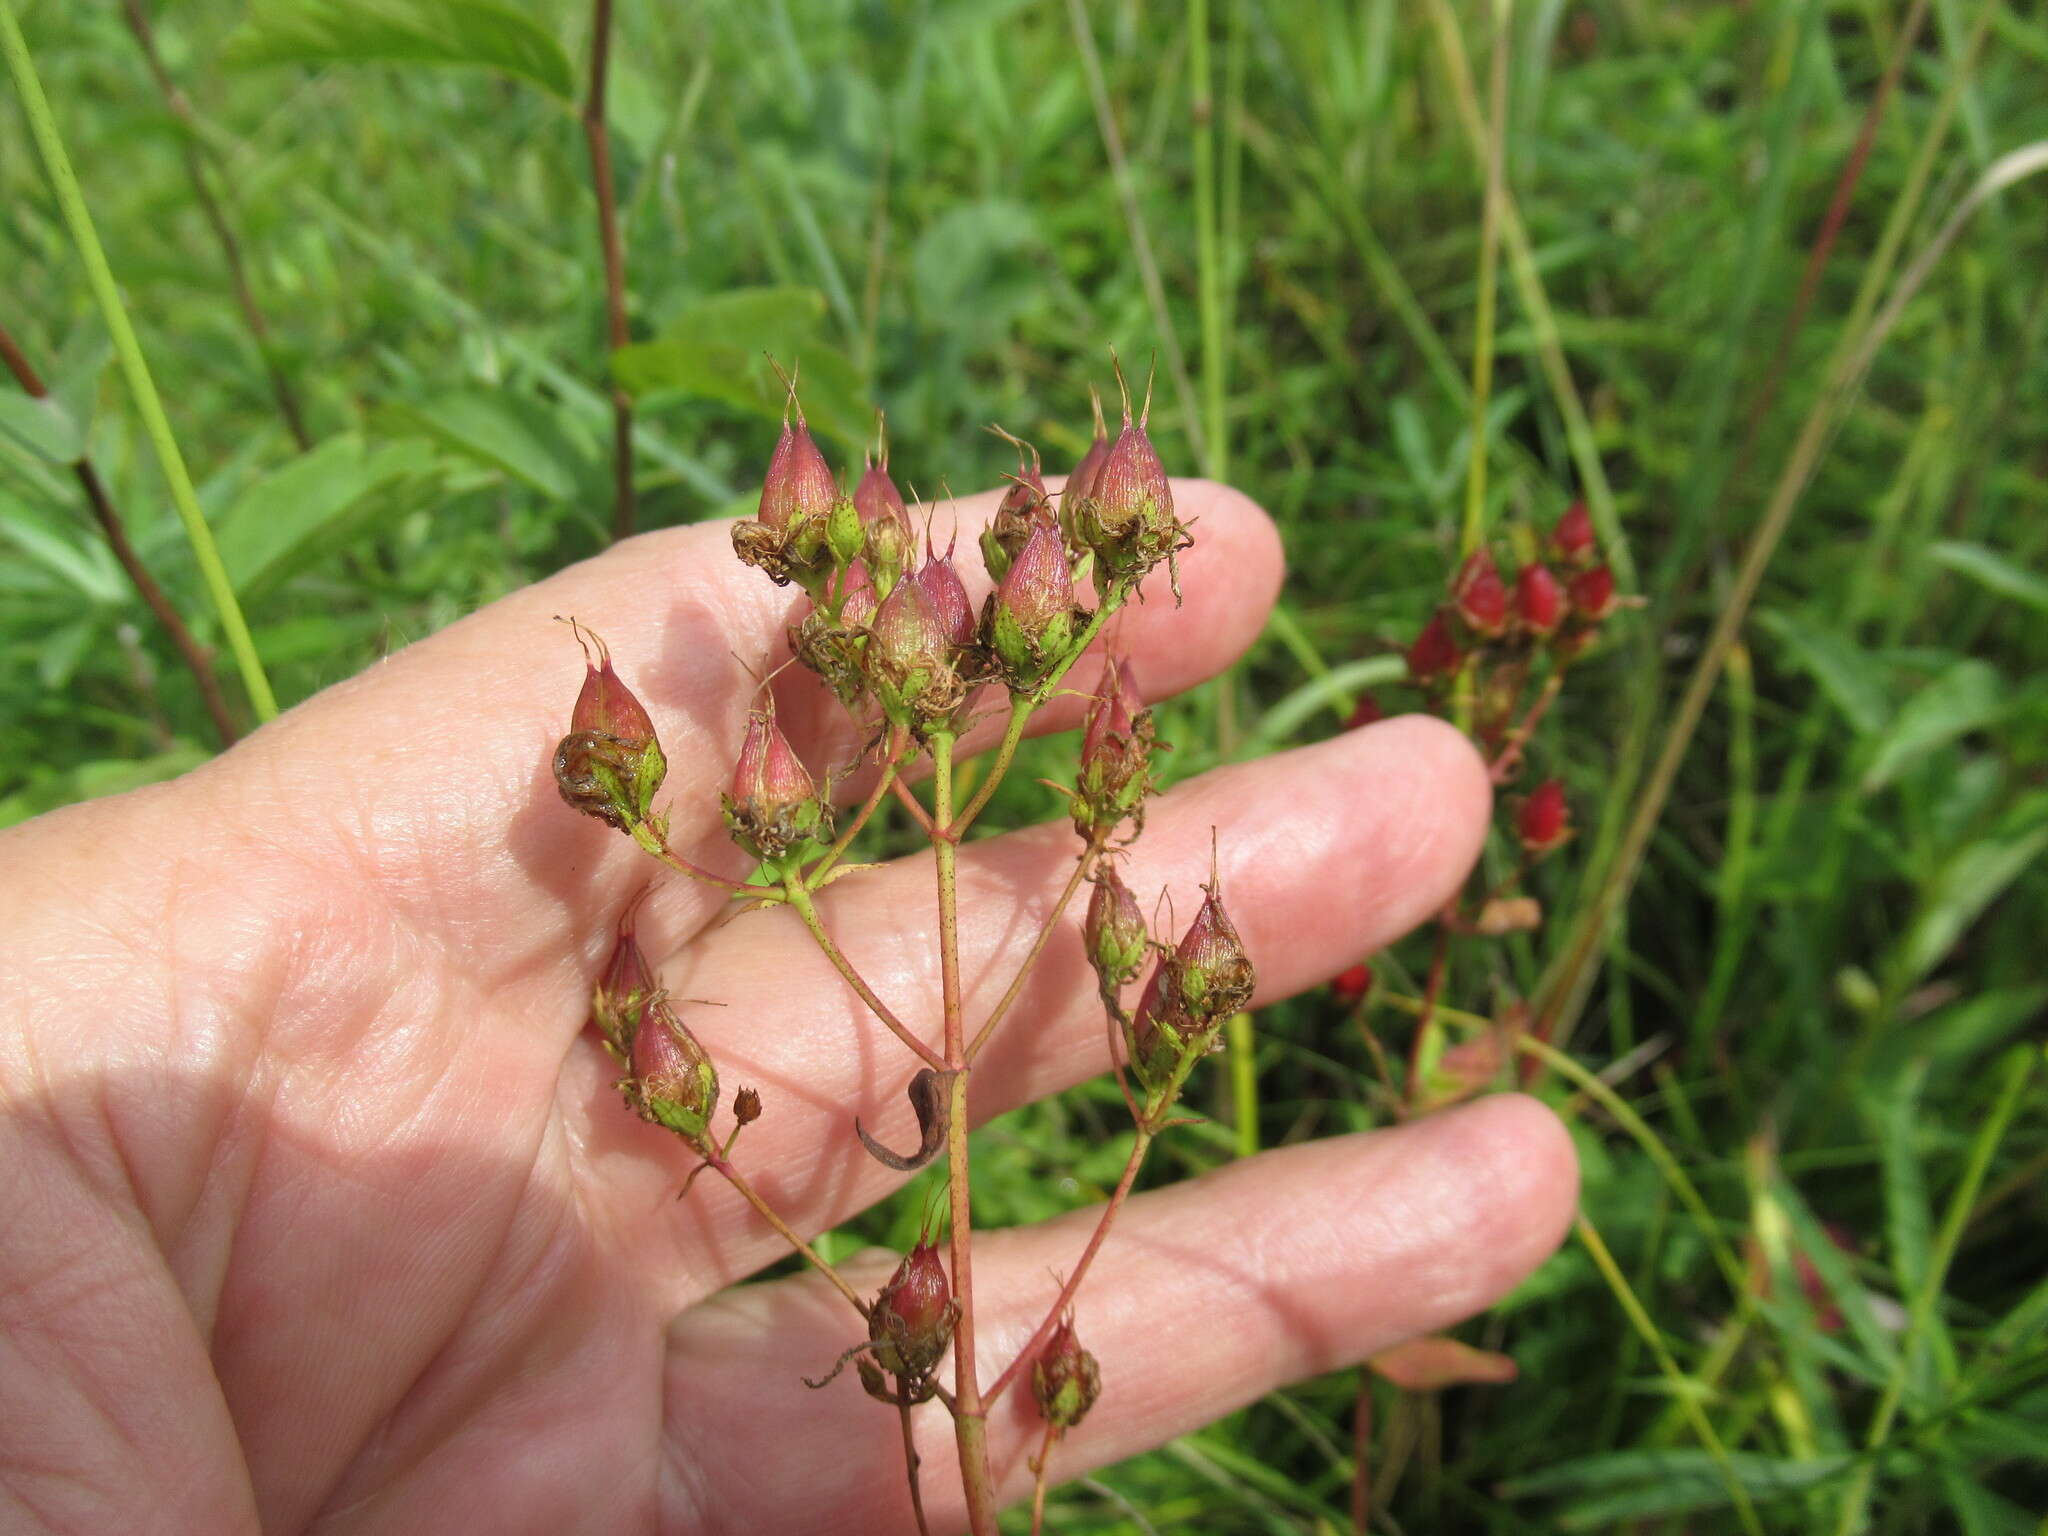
point(320, 1212)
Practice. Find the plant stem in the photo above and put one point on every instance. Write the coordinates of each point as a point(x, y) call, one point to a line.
point(970, 1417)
point(1510, 758)
point(198, 661)
point(1208, 254)
point(659, 847)
point(815, 875)
point(1039, 1480)
point(1021, 706)
point(42, 125)
point(617, 333)
point(1702, 1426)
point(737, 1180)
point(217, 219)
point(911, 1462)
point(1065, 1299)
point(2019, 1065)
point(1244, 1082)
point(1474, 527)
point(1081, 868)
point(800, 898)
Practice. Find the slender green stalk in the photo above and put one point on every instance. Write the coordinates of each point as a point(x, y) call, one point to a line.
point(1208, 253)
point(42, 126)
point(1680, 1387)
point(1021, 706)
point(618, 333)
point(2019, 1065)
point(1473, 529)
point(732, 1176)
point(800, 898)
point(1244, 1082)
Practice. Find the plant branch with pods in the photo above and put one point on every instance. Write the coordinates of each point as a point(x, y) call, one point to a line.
point(900, 644)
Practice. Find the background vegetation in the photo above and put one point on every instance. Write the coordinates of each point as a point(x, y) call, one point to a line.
point(1813, 1017)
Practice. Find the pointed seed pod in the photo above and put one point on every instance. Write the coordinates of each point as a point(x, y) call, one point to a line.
point(1029, 623)
point(774, 803)
point(857, 602)
point(746, 1106)
point(610, 764)
point(1592, 594)
point(1572, 539)
point(909, 660)
point(1214, 973)
point(1434, 655)
point(886, 537)
point(622, 991)
point(912, 1320)
point(1113, 932)
point(948, 595)
point(1116, 752)
point(1539, 600)
point(1081, 482)
point(1543, 820)
point(673, 1083)
point(1479, 595)
point(1065, 1378)
point(799, 484)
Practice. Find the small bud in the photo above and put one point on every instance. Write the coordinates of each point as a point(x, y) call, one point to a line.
point(1367, 712)
point(909, 661)
point(774, 803)
point(1352, 985)
point(610, 764)
point(948, 594)
point(1029, 622)
point(1113, 932)
point(912, 1320)
point(622, 991)
point(1572, 539)
point(1543, 821)
point(1065, 1378)
point(1479, 595)
point(746, 1106)
point(1116, 753)
point(672, 1082)
point(1539, 600)
point(1592, 594)
point(1434, 655)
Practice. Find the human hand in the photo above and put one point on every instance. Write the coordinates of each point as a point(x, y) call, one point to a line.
point(321, 1212)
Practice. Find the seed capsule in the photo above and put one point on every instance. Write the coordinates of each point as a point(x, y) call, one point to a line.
point(1539, 601)
point(1065, 1378)
point(1030, 620)
point(774, 804)
point(1434, 655)
point(1113, 932)
point(1573, 539)
point(1479, 595)
point(672, 1082)
point(1543, 820)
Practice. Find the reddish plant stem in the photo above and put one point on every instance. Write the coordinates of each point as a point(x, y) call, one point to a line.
point(1361, 1456)
point(1059, 910)
point(198, 660)
point(732, 1176)
point(800, 898)
point(223, 231)
point(1039, 1479)
point(1066, 1296)
point(1510, 758)
point(617, 332)
point(893, 755)
point(911, 1463)
point(682, 866)
point(919, 814)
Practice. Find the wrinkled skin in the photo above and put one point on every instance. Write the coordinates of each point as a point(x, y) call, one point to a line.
point(321, 1214)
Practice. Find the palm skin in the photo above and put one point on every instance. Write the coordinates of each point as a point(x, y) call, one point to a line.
point(321, 1213)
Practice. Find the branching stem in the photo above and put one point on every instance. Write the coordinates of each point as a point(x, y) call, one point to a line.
point(752, 1196)
point(800, 898)
point(1081, 867)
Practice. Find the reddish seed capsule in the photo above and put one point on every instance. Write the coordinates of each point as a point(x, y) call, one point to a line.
point(948, 595)
point(1434, 655)
point(672, 1082)
point(1030, 621)
point(746, 1106)
point(1592, 594)
point(1082, 481)
point(857, 605)
point(622, 991)
point(1543, 820)
point(1573, 538)
point(799, 483)
point(606, 704)
point(609, 765)
point(1366, 712)
point(1130, 483)
point(1480, 596)
point(1353, 984)
point(1539, 600)
point(1113, 932)
point(877, 496)
point(1065, 1378)
point(774, 802)
point(907, 630)
point(912, 1319)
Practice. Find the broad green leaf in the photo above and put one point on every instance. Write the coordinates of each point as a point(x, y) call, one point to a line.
point(476, 33)
point(1966, 1029)
point(1624, 1485)
point(1967, 697)
point(43, 426)
point(719, 349)
point(1993, 571)
point(311, 505)
point(1852, 678)
point(1979, 1510)
point(516, 433)
point(61, 651)
point(78, 559)
point(1968, 883)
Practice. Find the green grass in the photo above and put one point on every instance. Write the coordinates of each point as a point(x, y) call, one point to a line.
point(1826, 979)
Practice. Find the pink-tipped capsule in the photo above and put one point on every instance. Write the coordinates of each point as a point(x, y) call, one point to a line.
point(606, 704)
point(1031, 619)
point(1082, 481)
point(609, 765)
point(912, 1319)
point(622, 991)
point(907, 631)
point(877, 496)
point(672, 1081)
point(1592, 594)
point(1215, 973)
point(1543, 820)
point(1539, 600)
point(1116, 752)
point(1573, 539)
point(1065, 1378)
point(774, 803)
point(799, 483)
point(1131, 484)
point(857, 602)
point(1434, 655)
point(948, 595)
point(1113, 932)
point(1479, 595)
